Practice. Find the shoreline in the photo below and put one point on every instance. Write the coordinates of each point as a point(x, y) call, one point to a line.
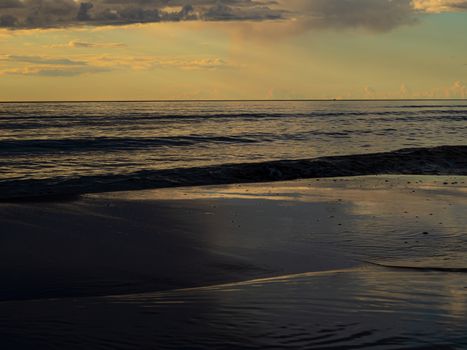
point(165, 239)
point(275, 265)
point(441, 160)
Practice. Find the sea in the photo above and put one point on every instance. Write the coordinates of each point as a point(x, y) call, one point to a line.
point(94, 146)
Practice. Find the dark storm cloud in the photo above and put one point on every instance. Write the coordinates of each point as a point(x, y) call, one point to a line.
point(9, 4)
point(376, 15)
point(60, 13)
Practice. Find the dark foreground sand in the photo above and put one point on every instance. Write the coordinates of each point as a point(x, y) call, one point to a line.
point(339, 263)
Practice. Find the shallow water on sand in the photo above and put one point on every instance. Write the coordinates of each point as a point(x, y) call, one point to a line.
point(348, 309)
point(318, 242)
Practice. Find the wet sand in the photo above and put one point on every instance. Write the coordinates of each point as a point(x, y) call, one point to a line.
point(370, 262)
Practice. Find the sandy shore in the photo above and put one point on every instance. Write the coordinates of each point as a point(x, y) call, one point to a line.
point(282, 265)
point(176, 238)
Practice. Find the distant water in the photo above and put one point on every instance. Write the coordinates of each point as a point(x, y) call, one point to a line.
point(54, 142)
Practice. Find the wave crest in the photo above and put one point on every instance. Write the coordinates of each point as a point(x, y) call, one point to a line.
point(443, 160)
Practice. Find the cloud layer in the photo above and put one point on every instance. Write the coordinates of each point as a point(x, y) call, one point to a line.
point(440, 5)
point(379, 15)
point(57, 13)
point(87, 64)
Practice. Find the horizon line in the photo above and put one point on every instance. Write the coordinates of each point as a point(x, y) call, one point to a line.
point(234, 100)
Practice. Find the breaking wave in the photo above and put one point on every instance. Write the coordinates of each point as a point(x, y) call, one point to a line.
point(444, 160)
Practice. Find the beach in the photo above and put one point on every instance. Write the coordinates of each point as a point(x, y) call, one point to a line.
point(375, 261)
point(233, 174)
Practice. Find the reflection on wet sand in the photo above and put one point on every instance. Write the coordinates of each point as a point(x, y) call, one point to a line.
point(355, 308)
point(285, 265)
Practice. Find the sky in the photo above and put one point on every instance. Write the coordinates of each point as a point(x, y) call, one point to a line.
point(232, 49)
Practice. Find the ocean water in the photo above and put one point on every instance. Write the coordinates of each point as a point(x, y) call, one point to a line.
point(57, 142)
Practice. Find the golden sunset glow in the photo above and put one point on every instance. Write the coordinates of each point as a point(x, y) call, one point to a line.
point(233, 50)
